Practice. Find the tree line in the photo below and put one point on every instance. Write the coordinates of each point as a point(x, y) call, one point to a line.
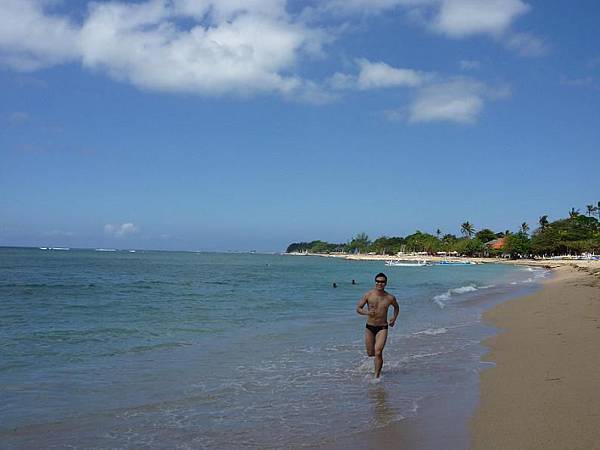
point(576, 234)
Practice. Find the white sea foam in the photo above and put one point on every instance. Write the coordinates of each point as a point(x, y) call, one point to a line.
point(433, 331)
point(365, 366)
point(416, 357)
point(440, 299)
point(463, 289)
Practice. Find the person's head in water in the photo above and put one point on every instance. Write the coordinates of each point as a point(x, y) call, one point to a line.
point(380, 281)
point(334, 285)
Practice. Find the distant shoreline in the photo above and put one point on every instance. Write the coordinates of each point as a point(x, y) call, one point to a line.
point(547, 263)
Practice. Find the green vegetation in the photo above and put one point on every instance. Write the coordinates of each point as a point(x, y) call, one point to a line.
point(574, 235)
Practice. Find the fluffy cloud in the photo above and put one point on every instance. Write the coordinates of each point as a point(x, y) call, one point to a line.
point(377, 75)
point(455, 18)
point(121, 230)
point(381, 75)
point(243, 47)
point(435, 97)
point(459, 18)
point(199, 46)
point(459, 100)
point(31, 39)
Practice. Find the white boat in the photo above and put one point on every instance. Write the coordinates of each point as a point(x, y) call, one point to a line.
point(404, 263)
point(454, 263)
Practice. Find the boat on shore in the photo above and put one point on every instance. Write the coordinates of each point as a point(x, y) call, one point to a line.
point(405, 263)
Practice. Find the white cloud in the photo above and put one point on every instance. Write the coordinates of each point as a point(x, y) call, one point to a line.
point(459, 18)
point(455, 18)
point(459, 100)
point(231, 46)
point(31, 39)
point(244, 47)
point(378, 75)
point(435, 97)
point(120, 230)
point(381, 75)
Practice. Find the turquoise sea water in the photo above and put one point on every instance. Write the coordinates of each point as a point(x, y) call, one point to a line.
point(206, 350)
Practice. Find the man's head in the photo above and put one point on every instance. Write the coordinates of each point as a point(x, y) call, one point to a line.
point(380, 281)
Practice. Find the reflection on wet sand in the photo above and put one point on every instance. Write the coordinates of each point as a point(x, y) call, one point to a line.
point(383, 413)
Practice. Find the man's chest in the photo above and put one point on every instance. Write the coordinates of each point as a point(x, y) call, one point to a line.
point(378, 302)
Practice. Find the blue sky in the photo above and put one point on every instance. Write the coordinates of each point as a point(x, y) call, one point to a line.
point(241, 125)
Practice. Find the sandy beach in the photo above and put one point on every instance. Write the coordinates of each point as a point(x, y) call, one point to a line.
point(543, 391)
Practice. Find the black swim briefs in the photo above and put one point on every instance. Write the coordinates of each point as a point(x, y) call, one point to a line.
point(376, 328)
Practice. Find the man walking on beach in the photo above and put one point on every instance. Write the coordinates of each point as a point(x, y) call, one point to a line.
point(378, 302)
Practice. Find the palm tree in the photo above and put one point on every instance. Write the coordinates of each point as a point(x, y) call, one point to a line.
point(573, 213)
point(591, 209)
point(543, 222)
point(467, 229)
point(524, 228)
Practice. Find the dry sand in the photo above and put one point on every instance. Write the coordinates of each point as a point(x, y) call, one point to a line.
point(544, 392)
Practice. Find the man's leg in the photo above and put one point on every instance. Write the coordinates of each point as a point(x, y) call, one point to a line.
point(369, 342)
point(379, 344)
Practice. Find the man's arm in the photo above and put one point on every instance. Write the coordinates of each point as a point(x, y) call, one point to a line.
point(392, 322)
point(361, 305)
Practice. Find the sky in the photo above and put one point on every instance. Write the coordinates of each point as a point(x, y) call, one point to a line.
point(230, 125)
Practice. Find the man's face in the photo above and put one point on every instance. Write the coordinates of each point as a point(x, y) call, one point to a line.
point(380, 283)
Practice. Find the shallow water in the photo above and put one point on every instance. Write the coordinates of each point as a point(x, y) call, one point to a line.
point(175, 349)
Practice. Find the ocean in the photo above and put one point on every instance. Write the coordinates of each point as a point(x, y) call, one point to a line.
point(208, 350)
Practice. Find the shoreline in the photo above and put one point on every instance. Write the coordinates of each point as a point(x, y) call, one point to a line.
point(546, 263)
point(536, 395)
